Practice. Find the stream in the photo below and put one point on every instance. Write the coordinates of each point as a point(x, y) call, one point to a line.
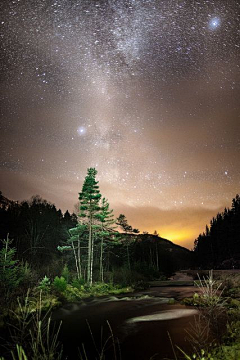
point(142, 322)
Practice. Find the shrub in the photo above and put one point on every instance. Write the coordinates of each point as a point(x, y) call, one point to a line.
point(60, 283)
point(210, 293)
point(66, 273)
point(125, 277)
point(9, 270)
point(78, 283)
point(146, 271)
point(45, 284)
point(72, 293)
point(28, 276)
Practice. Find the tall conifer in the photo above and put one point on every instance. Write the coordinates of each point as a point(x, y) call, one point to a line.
point(105, 217)
point(89, 199)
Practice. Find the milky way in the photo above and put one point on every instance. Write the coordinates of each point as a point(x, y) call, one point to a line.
point(145, 91)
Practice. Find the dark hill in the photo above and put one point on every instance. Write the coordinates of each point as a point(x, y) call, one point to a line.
point(157, 253)
point(5, 202)
point(27, 222)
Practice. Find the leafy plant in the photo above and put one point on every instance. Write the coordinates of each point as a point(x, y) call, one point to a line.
point(78, 283)
point(60, 283)
point(45, 284)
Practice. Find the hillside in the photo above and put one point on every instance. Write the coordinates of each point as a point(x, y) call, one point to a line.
point(157, 252)
point(5, 202)
point(26, 224)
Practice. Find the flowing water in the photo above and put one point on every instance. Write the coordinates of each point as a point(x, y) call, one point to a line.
point(142, 323)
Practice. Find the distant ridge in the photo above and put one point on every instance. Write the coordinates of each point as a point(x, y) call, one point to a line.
point(167, 242)
point(5, 202)
point(160, 252)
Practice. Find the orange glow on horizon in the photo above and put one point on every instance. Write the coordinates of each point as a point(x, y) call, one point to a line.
point(182, 238)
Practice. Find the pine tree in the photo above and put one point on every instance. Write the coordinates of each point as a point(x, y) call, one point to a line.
point(122, 222)
point(77, 236)
point(89, 206)
point(105, 217)
point(9, 270)
point(219, 245)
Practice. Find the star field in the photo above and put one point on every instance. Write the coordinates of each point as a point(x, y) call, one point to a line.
point(145, 91)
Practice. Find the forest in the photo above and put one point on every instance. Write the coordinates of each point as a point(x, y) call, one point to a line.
point(92, 244)
point(219, 245)
point(49, 259)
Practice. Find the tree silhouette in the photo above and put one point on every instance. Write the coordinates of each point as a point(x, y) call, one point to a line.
point(219, 245)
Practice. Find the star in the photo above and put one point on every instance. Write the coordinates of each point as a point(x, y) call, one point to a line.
point(214, 23)
point(148, 90)
point(81, 130)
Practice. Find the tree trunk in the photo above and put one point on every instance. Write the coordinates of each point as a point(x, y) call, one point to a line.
point(101, 259)
point(79, 258)
point(151, 259)
point(128, 257)
point(5, 255)
point(91, 270)
point(76, 260)
point(157, 264)
point(89, 253)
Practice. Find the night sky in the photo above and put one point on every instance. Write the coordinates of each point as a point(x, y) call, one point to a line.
point(145, 91)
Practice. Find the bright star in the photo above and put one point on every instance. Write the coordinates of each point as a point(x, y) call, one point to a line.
point(214, 23)
point(81, 130)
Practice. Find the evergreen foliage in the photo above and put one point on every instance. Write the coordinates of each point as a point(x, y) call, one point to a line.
point(9, 270)
point(45, 284)
point(60, 283)
point(66, 273)
point(36, 227)
point(93, 249)
point(219, 245)
point(123, 223)
point(106, 233)
point(89, 199)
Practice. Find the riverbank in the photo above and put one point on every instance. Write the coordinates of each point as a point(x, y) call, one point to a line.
point(140, 322)
point(145, 324)
point(128, 313)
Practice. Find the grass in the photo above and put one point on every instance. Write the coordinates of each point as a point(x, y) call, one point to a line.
point(32, 334)
point(214, 304)
point(111, 343)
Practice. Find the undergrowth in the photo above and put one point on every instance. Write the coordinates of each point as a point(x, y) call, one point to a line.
point(216, 334)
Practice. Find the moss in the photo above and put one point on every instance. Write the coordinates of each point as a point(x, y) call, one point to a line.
point(98, 289)
point(195, 300)
point(234, 303)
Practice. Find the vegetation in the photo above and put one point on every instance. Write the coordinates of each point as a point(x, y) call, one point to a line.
point(9, 271)
point(31, 335)
point(218, 246)
point(215, 335)
point(94, 260)
point(56, 258)
point(91, 249)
